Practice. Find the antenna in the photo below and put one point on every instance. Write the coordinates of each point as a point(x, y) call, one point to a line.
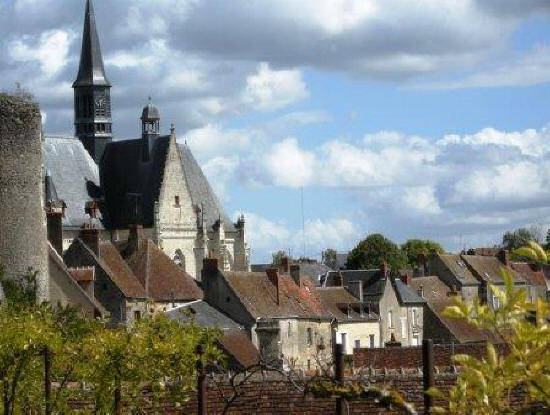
point(303, 222)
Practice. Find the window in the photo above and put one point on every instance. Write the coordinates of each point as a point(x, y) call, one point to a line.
point(137, 315)
point(177, 201)
point(179, 259)
point(371, 341)
point(309, 336)
point(289, 329)
point(496, 302)
point(414, 317)
point(357, 344)
point(415, 341)
point(390, 319)
point(308, 364)
point(404, 327)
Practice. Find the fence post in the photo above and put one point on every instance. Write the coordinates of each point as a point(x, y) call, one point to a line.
point(428, 372)
point(202, 397)
point(47, 381)
point(339, 375)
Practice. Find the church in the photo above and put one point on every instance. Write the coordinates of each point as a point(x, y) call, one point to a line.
point(152, 184)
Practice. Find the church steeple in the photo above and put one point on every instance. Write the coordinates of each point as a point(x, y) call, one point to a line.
point(92, 99)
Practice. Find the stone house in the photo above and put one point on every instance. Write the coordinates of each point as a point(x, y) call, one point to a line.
point(355, 325)
point(283, 313)
point(537, 277)
point(400, 308)
point(436, 326)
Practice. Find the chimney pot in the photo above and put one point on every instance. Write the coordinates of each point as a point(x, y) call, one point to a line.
point(89, 234)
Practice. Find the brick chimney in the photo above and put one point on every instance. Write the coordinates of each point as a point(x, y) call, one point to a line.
point(89, 234)
point(385, 270)
point(295, 274)
point(284, 265)
point(406, 278)
point(504, 257)
point(273, 276)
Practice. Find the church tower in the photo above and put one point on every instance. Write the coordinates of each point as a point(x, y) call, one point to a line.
point(92, 98)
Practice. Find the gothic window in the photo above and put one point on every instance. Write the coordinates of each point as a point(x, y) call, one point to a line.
point(179, 259)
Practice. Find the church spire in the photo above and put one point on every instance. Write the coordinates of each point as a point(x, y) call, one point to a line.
point(92, 103)
point(91, 70)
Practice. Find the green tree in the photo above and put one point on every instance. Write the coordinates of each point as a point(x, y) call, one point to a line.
point(372, 251)
point(329, 259)
point(277, 257)
point(518, 238)
point(413, 247)
point(484, 385)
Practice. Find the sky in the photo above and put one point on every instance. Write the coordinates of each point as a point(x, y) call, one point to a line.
point(412, 118)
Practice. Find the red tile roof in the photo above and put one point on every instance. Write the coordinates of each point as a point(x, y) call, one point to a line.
point(162, 278)
point(85, 274)
point(259, 295)
point(238, 345)
point(119, 272)
point(530, 272)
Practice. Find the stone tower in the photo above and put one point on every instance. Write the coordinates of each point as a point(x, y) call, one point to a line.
point(92, 97)
point(23, 241)
point(150, 128)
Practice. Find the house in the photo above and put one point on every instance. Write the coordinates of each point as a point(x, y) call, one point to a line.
point(454, 272)
point(234, 340)
point(400, 308)
point(145, 283)
point(355, 325)
point(537, 278)
point(436, 325)
point(283, 313)
point(310, 267)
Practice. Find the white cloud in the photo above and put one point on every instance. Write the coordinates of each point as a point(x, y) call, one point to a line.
point(265, 236)
point(289, 165)
point(421, 199)
point(272, 89)
point(336, 233)
point(219, 171)
point(50, 50)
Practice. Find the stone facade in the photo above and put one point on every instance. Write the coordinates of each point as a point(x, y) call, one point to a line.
point(23, 242)
point(358, 334)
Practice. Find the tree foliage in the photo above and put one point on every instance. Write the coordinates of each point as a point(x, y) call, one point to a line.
point(372, 251)
point(532, 251)
point(329, 259)
point(517, 238)
point(277, 258)
point(484, 385)
point(413, 247)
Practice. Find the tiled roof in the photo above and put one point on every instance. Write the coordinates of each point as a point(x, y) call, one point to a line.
point(489, 269)
point(85, 274)
point(203, 315)
point(162, 278)
point(458, 267)
point(436, 295)
point(259, 295)
point(119, 272)
point(74, 175)
point(238, 345)
point(405, 294)
point(530, 272)
point(336, 300)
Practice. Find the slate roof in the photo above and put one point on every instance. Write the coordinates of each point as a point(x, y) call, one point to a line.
point(74, 174)
point(490, 269)
point(335, 300)
point(405, 294)
point(162, 278)
point(436, 296)
point(203, 315)
point(458, 267)
point(123, 171)
point(258, 295)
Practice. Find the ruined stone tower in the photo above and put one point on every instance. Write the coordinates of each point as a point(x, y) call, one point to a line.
point(22, 217)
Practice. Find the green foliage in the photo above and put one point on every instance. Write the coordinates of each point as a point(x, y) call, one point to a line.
point(532, 251)
point(515, 239)
point(329, 259)
point(19, 291)
point(484, 385)
point(278, 258)
point(372, 251)
point(413, 247)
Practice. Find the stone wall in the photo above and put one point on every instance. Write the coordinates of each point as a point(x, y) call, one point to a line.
point(22, 217)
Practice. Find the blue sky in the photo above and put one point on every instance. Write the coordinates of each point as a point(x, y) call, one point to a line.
point(411, 118)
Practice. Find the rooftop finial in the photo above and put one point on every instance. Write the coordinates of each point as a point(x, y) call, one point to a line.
point(172, 129)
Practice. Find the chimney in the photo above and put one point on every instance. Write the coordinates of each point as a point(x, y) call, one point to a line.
point(273, 276)
point(135, 236)
point(90, 236)
point(284, 265)
point(421, 291)
point(55, 212)
point(504, 257)
point(359, 285)
point(453, 292)
point(384, 269)
point(421, 265)
point(406, 278)
point(295, 274)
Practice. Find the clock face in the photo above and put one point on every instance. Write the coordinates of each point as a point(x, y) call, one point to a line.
point(100, 102)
